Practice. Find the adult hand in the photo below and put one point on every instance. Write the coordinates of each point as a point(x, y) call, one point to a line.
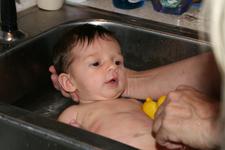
point(187, 117)
point(54, 78)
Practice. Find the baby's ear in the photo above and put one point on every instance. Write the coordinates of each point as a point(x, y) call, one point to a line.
point(66, 83)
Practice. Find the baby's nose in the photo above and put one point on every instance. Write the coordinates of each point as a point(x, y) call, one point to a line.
point(113, 67)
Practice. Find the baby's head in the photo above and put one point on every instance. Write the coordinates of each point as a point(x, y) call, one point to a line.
point(89, 62)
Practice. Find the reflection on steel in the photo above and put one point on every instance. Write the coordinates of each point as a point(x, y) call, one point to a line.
point(9, 37)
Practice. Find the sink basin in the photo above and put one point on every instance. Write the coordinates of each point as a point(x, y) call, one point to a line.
point(30, 105)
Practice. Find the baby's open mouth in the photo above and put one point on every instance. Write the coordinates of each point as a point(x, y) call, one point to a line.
point(113, 81)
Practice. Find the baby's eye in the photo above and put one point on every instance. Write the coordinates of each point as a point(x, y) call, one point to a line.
point(118, 62)
point(95, 64)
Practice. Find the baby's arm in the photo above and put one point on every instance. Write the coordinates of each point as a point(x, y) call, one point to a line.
point(69, 116)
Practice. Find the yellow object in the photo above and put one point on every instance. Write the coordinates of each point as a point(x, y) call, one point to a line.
point(150, 106)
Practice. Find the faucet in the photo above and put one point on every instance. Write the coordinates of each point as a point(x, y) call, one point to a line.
point(9, 30)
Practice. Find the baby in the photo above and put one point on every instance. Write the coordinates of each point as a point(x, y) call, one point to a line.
point(90, 64)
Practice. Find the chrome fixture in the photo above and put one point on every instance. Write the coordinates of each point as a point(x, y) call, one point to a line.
point(9, 31)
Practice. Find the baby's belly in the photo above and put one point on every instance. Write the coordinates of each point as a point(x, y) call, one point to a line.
point(132, 129)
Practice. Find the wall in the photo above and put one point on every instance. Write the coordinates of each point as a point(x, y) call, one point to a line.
point(24, 4)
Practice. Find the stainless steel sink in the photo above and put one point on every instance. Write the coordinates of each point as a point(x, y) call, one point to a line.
point(28, 72)
point(29, 103)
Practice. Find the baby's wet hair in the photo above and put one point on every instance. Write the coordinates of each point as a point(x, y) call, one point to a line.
point(81, 34)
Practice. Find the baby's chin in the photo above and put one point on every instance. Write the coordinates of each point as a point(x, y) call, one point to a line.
point(114, 95)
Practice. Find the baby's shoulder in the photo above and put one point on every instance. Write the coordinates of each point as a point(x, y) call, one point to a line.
point(68, 114)
point(71, 108)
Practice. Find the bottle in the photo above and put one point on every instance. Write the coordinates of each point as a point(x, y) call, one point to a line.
point(74, 2)
point(176, 7)
point(128, 4)
point(50, 4)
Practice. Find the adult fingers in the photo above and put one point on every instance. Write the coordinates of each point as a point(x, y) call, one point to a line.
point(65, 94)
point(157, 122)
point(74, 96)
point(52, 69)
point(54, 79)
point(168, 140)
point(159, 116)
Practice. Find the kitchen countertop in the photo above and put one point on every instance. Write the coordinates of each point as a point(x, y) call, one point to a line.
point(192, 19)
point(34, 21)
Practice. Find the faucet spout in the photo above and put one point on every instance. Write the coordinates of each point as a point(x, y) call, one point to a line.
point(8, 16)
point(9, 30)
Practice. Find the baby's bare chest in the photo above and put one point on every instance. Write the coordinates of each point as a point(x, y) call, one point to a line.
point(108, 118)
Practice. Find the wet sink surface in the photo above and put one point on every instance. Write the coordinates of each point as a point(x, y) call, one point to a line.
point(24, 69)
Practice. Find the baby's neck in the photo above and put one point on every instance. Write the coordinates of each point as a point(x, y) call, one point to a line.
point(89, 101)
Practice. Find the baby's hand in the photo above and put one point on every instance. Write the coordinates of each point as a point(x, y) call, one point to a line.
point(74, 123)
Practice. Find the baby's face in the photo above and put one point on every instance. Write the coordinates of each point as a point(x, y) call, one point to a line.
point(98, 70)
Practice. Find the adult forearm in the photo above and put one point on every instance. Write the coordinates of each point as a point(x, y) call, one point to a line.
point(199, 71)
